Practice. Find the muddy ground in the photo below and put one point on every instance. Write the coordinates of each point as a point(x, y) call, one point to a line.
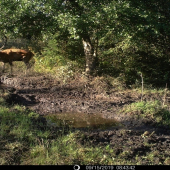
point(46, 95)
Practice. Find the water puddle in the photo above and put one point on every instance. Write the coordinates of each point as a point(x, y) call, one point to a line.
point(82, 120)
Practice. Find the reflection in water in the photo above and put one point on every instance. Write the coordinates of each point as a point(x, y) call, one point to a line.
point(82, 120)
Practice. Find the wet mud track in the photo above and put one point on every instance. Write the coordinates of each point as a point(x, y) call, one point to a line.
point(47, 96)
point(138, 141)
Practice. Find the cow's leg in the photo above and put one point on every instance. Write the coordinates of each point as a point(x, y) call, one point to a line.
point(11, 65)
point(28, 66)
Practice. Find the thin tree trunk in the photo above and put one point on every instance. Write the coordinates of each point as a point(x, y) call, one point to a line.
point(89, 54)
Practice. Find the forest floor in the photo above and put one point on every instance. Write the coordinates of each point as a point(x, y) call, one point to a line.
point(137, 140)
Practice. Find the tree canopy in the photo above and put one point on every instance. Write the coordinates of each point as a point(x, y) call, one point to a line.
point(115, 37)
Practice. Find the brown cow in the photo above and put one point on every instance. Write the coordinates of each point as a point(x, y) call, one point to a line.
point(10, 55)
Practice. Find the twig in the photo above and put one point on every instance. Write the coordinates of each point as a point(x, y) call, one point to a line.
point(164, 98)
point(142, 87)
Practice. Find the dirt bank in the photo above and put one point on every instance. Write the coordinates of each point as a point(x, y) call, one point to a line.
point(46, 95)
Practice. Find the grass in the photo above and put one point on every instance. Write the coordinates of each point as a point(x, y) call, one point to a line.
point(153, 110)
point(17, 133)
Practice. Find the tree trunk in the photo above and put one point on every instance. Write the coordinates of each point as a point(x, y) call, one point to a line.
point(89, 54)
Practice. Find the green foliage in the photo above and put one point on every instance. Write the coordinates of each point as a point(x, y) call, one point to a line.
point(60, 49)
point(145, 107)
point(153, 109)
point(127, 36)
point(52, 55)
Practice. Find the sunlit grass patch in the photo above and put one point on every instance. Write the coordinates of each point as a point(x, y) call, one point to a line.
point(149, 109)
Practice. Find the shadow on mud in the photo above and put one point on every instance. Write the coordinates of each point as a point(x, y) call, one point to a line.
point(27, 100)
